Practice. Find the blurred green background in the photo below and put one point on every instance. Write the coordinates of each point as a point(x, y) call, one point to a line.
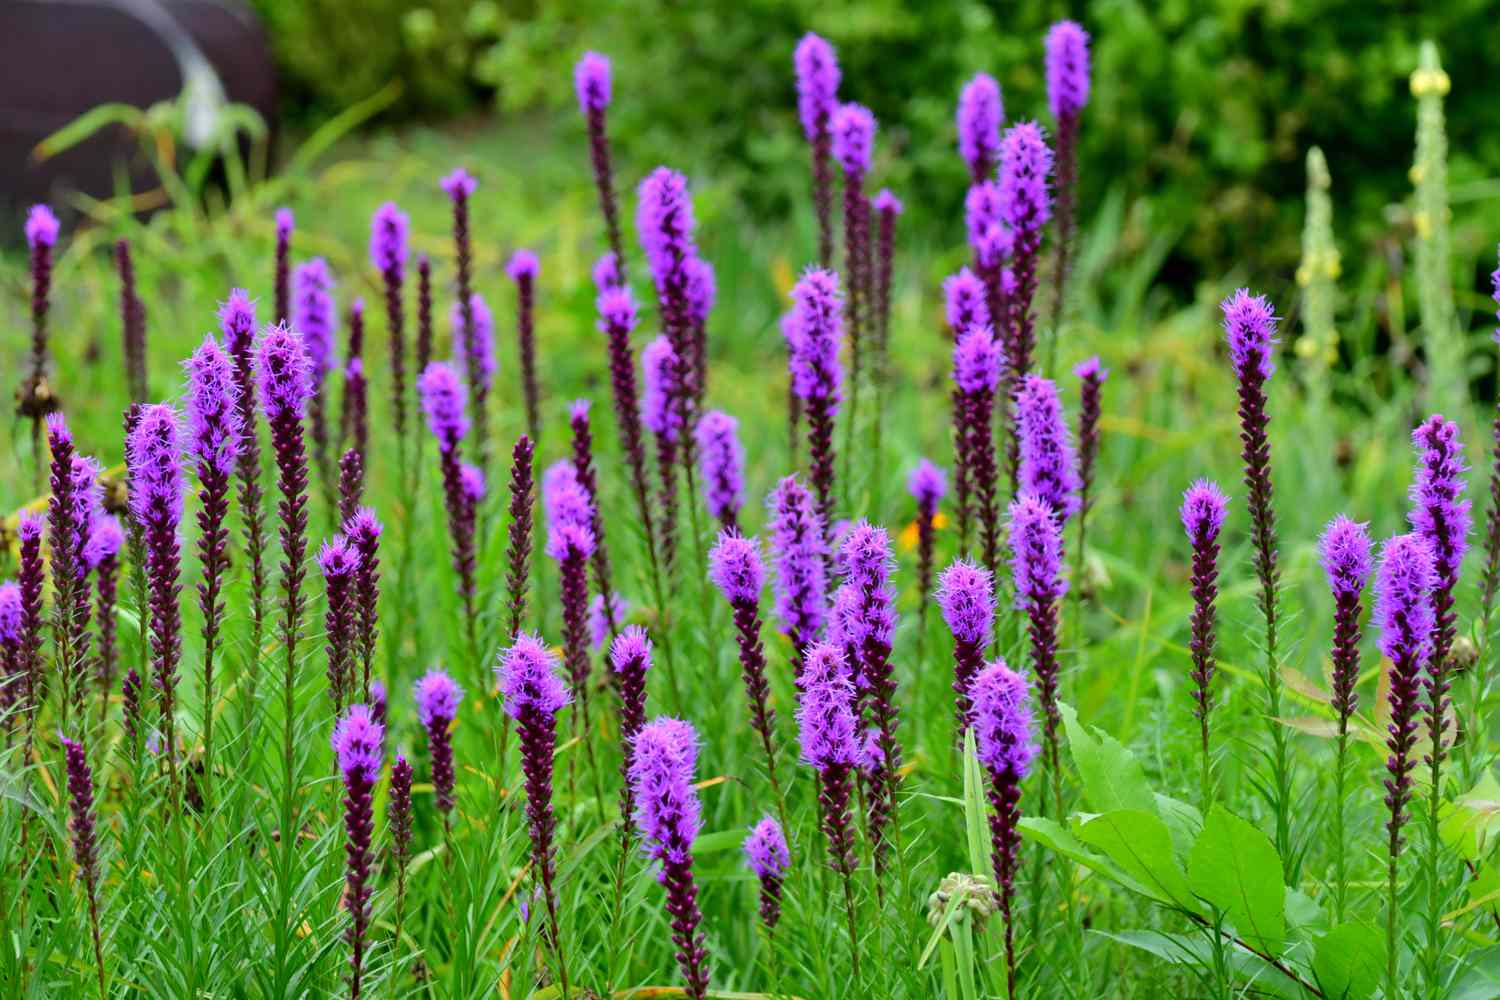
point(1201, 114)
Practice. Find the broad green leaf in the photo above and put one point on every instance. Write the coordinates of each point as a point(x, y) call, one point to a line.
point(1481, 980)
point(1183, 821)
point(1350, 962)
point(1052, 836)
point(1112, 777)
point(1305, 918)
point(1235, 867)
point(1194, 951)
point(1471, 823)
point(1141, 845)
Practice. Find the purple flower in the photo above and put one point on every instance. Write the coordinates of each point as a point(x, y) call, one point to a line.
point(591, 80)
point(315, 316)
point(817, 84)
point(437, 697)
point(156, 467)
point(1047, 469)
point(1202, 512)
point(608, 279)
point(471, 479)
point(599, 623)
point(284, 373)
point(1403, 598)
point(1250, 327)
point(702, 289)
point(564, 501)
point(886, 203)
point(853, 129)
point(522, 264)
point(479, 342)
point(357, 740)
point(827, 726)
point(659, 364)
point(927, 485)
point(817, 328)
point(1037, 547)
point(459, 185)
point(388, 235)
point(528, 678)
point(1002, 719)
point(664, 219)
point(669, 817)
point(443, 399)
point(723, 464)
point(1345, 553)
point(767, 854)
point(1440, 512)
point(980, 115)
point(237, 323)
point(12, 671)
point(630, 659)
point(966, 595)
point(214, 421)
point(800, 553)
point(1025, 165)
point(339, 564)
point(1067, 69)
point(735, 567)
point(105, 538)
point(984, 209)
point(41, 227)
point(964, 295)
point(518, 535)
point(363, 531)
point(976, 360)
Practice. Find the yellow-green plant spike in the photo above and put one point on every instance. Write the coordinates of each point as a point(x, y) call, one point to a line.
point(1429, 174)
point(1317, 275)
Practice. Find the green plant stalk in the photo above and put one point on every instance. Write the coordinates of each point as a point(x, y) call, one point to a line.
point(1392, 904)
point(1443, 345)
point(1340, 861)
point(1432, 953)
point(1319, 268)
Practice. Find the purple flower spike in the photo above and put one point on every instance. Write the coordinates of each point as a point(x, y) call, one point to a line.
point(315, 316)
point(630, 659)
point(735, 568)
point(363, 531)
point(285, 225)
point(829, 732)
point(156, 498)
point(1025, 167)
point(1047, 470)
point(339, 564)
point(1203, 509)
point(591, 81)
point(533, 694)
point(459, 184)
point(980, 115)
point(817, 71)
point(214, 434)
point(522, 268)
point(723, 467)
point(927, 485)
point(1404, 615)
point(659, 365)
point(85, 854)
point(966, 595)
point(1003, 735)
point(73, 502)
point(518, 535)
point(601, 630)
point(669, 817)
point(965, 297)
point(1250, 327)
point(357, 742)
point(41, 227)
point(617, 320)
point(976, 374)
point(477, 342)
point(800, 549)
point(1091, 376)
point(853, 129)
point(284, 374)
point(1345, 553)
point(389, 229)
point(388, 237)
point(1036, 568)
point(817, 329)
point(976, 361)
point(31, 579)
point(1067, 69)
point(398, 815)
point(588, 480)
point(12, 676)
point(237, 323)
point(767, 854)
point(438, 697)
point(608, 279)
point(443, 400)
point(571, 544)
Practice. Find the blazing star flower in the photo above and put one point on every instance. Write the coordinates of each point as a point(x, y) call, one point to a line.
point(1345, 553)
point(980, 115)
point(443, 399)
point(965, 297)
point(817, 84)
point(357, 742)
point(767, 854)
point(723, 466)
point(1067, 69)
point(438, 697)
point(853, 129)
point(1048, 467)
point(591, 79)
point(799, 548)
point(966, 596)
point(315, 316)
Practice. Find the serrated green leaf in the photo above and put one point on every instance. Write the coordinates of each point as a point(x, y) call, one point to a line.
point(1236, 868)
point(1141, 845)
point(1349, 962)
point(1183, 821)
point(1112, 777)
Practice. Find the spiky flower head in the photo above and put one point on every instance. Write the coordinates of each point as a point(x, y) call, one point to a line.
point(1403, 597)
point(607, 278)
point(886, 203)
point(284, 373)
point(661, 775)
point(1036, 544)
point(617, 310)
point(1090, 370)
point(798, 545)
point(735, 567)
point(853, 138)
point(357, 741)
point(528, 675)
point(337, 559)
point(1002, 719)
point(980, 115)
point(155, 450)
point(664, 219)
point(1345, 553)
point(1440, 511)
point(816, 330)
point(237, 322)
point(104, 540)
point(570, 541)
point(966, 595)
point(443, 399)
point(1250, 327)
point(723, 460)
point(214, 425)
point(477, 342)
point(388, 235)
point(976, 360)
point(766, 850)
point(285, 223)
point(437, 696)
point(471, 481)
point(41, 227)
point(522, 264)
point(591, 80)
point(1067, 68)
point(984, 209)
point(1048, 468)
point(827, 726)
point(315, 317)
point(659, 364)
point(702, 288)
point(10, 614)
point(964, 297)
point(1202, 511)
point(1025, 167)
point(927, 484)
point(632, 646)
point(817, 83)
point(459, 185)
point(564, 500)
